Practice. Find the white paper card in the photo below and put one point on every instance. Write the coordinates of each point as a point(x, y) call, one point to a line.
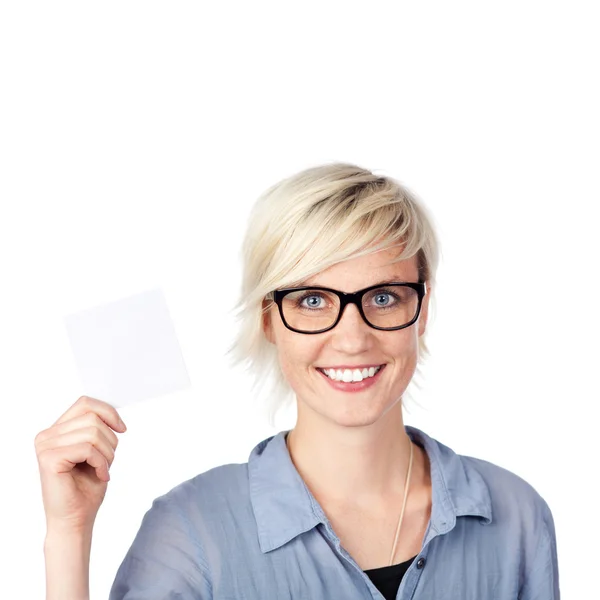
point(127, 351)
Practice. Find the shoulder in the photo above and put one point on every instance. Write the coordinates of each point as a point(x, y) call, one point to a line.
point(473, 481)
point(217, 489)
point(523, 520)
point(222, 492)
point(475, 486)
point(512, 497)
point(183, 535)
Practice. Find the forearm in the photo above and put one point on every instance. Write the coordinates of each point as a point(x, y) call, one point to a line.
point(67, 556)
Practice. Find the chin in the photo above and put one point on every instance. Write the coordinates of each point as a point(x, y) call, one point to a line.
point(355, 416)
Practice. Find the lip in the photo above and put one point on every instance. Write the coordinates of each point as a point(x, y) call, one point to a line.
point(361, 367)
point(359, 386)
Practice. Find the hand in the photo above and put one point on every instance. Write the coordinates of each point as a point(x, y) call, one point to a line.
point(74, 456)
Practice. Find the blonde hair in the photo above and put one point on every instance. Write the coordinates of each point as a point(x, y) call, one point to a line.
point(306, 223)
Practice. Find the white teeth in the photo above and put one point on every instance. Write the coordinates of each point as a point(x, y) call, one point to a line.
point(349, 375)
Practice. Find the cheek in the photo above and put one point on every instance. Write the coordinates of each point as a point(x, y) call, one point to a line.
point(296, 353)
point(404, 344)
point(296, 365)
point(298, 357)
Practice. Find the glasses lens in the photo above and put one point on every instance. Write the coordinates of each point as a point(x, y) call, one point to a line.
point(310, 310)
point(387, 306)
point(390, 305)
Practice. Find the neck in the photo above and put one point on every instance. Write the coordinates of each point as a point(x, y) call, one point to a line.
point(359, 465)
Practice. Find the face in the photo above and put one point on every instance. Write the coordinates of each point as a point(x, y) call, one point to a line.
point(351, 343)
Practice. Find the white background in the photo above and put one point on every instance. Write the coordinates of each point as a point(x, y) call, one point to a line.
point(134, 138)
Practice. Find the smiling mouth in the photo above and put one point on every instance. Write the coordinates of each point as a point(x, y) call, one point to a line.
point(351, 375)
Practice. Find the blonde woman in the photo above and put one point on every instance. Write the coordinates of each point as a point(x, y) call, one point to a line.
point(339, 270)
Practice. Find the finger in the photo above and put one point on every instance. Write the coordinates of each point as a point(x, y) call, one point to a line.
point(63, 460)
point(81, 422)
point(90, 435)
point(104, 410)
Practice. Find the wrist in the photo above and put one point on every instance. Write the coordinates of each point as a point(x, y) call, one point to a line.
point(72, 531)
point(61, 537)
point(67, 558)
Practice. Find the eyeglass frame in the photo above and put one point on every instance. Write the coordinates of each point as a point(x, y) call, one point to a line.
point(351, 298)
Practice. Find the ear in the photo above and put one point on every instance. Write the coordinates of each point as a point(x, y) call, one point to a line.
point(424, 315)
point(267, 325)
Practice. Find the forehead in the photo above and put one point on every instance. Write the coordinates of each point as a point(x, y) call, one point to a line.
point(372, 269)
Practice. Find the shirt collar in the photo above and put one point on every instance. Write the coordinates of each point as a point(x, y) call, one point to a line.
point(284, 506)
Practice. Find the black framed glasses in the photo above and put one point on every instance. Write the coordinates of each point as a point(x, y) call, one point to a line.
point(386, 306)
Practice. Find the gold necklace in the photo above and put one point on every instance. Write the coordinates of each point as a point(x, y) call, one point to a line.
point(406, 486)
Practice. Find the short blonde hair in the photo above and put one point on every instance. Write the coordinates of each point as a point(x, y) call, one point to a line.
point(306, 223)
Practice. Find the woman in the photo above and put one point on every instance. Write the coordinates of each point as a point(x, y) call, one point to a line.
point(339, 267)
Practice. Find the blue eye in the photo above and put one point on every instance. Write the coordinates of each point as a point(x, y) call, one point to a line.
point(382, 296)
point(309, 297)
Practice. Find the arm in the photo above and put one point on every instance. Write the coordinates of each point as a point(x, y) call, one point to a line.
point(74, 457)
point(165, 561)
point(67, 556)
point(542, 580)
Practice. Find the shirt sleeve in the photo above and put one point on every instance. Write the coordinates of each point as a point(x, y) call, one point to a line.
point(542, 581)
point(165, 560)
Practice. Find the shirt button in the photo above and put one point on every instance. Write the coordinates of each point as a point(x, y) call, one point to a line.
point(421, 563)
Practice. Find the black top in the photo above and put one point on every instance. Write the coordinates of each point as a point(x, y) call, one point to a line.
point(387, 579)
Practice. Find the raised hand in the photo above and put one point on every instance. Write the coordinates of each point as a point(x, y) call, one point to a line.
point(74, 457)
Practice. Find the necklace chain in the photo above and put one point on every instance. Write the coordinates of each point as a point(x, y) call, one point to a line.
point(406, 486)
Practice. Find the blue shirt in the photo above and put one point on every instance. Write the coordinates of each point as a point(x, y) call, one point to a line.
point(253, 531)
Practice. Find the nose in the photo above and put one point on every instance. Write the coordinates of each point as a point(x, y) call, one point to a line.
point(352, 314)
point(351, 334)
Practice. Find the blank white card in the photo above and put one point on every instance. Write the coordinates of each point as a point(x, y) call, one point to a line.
point(127, 351)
